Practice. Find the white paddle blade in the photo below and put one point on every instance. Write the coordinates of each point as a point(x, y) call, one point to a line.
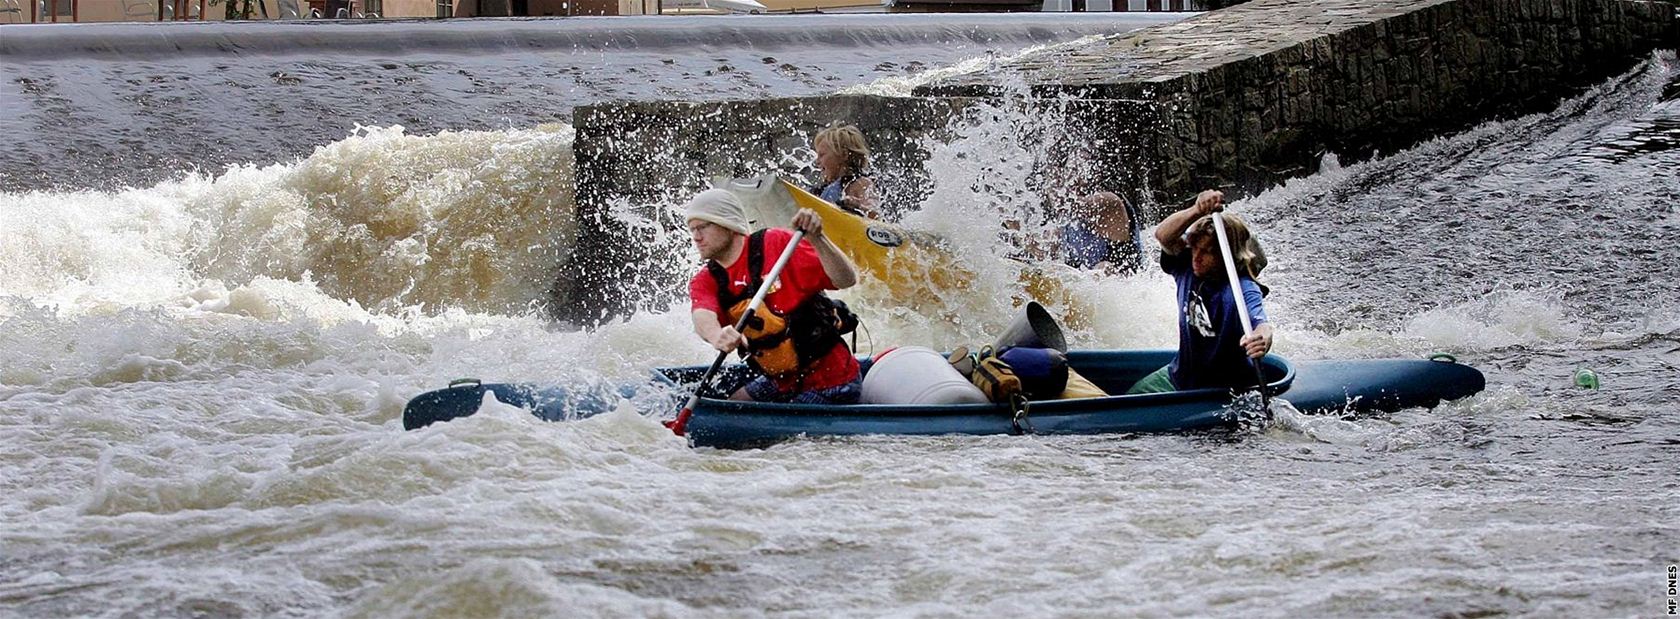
point(765, 199)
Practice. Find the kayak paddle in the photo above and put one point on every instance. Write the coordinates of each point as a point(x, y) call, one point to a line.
point(679, 426)
point(1241, 301)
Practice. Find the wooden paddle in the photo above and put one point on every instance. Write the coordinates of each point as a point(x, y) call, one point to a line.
point(1241, 301)
point(680, 424)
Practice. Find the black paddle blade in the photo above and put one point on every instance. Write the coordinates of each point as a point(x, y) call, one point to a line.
point(549, 403)
point(443, 405)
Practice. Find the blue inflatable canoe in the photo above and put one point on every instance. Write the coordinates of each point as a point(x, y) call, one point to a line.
point(1312, 386)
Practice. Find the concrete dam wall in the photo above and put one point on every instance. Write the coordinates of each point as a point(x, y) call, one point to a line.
point(133, 104)
point(1240, 98)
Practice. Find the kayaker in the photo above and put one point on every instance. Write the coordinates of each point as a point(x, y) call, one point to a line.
point(843, 161)
point(1212, 351)
point(1104, 234)
point(794, 341)
point(1100, 229)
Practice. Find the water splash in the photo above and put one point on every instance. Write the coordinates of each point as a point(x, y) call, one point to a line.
point(472, 220)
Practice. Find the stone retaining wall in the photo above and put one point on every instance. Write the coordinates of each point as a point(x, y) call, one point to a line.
point(1253, 94)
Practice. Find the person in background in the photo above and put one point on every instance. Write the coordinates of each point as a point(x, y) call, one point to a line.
point(794, 340)
point(843, 161)
point(1212, 350)
point(1103, 234)
point(1098, 229)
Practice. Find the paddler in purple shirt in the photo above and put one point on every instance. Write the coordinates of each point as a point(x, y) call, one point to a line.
point(1212, 351)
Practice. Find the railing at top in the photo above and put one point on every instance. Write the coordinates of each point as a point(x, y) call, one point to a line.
point(43, 11)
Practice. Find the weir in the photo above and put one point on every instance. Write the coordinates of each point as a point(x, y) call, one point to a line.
point(1239, 98)
point(133, 104)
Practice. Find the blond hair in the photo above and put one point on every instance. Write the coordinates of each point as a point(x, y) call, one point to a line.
point(849, 140)
point(1236, 231)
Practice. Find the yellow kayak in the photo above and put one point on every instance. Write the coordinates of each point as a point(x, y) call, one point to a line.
point(913, 265)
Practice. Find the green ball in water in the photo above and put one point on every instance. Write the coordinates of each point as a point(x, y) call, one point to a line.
point(1586, 379)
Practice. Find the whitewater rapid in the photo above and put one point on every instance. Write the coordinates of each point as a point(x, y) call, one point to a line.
point(201, 384)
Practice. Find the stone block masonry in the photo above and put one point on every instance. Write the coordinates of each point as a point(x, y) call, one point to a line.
point(1250, 95)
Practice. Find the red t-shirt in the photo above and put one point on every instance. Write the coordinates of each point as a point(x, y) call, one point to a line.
point(800, 279)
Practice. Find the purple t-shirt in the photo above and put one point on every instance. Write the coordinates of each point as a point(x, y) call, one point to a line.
point(1210, 352)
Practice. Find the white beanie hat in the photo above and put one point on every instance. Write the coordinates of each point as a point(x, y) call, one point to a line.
point(720, 207)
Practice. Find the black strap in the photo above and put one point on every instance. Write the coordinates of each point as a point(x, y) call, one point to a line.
point(755, 261)
point(755, 276)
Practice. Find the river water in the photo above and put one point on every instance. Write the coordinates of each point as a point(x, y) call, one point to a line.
point(202, 378)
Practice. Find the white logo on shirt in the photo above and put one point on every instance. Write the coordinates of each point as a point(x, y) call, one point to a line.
point(774, 286)
point(1196, 314)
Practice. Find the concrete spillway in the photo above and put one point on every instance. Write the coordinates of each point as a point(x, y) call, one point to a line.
point(109, 105)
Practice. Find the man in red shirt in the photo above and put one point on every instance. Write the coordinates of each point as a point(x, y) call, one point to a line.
point(793, 340)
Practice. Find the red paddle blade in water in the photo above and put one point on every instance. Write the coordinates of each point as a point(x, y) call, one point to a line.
point(679, 426)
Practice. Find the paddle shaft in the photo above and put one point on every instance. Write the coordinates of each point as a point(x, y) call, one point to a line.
point(1225, 251)
point(679, 426)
